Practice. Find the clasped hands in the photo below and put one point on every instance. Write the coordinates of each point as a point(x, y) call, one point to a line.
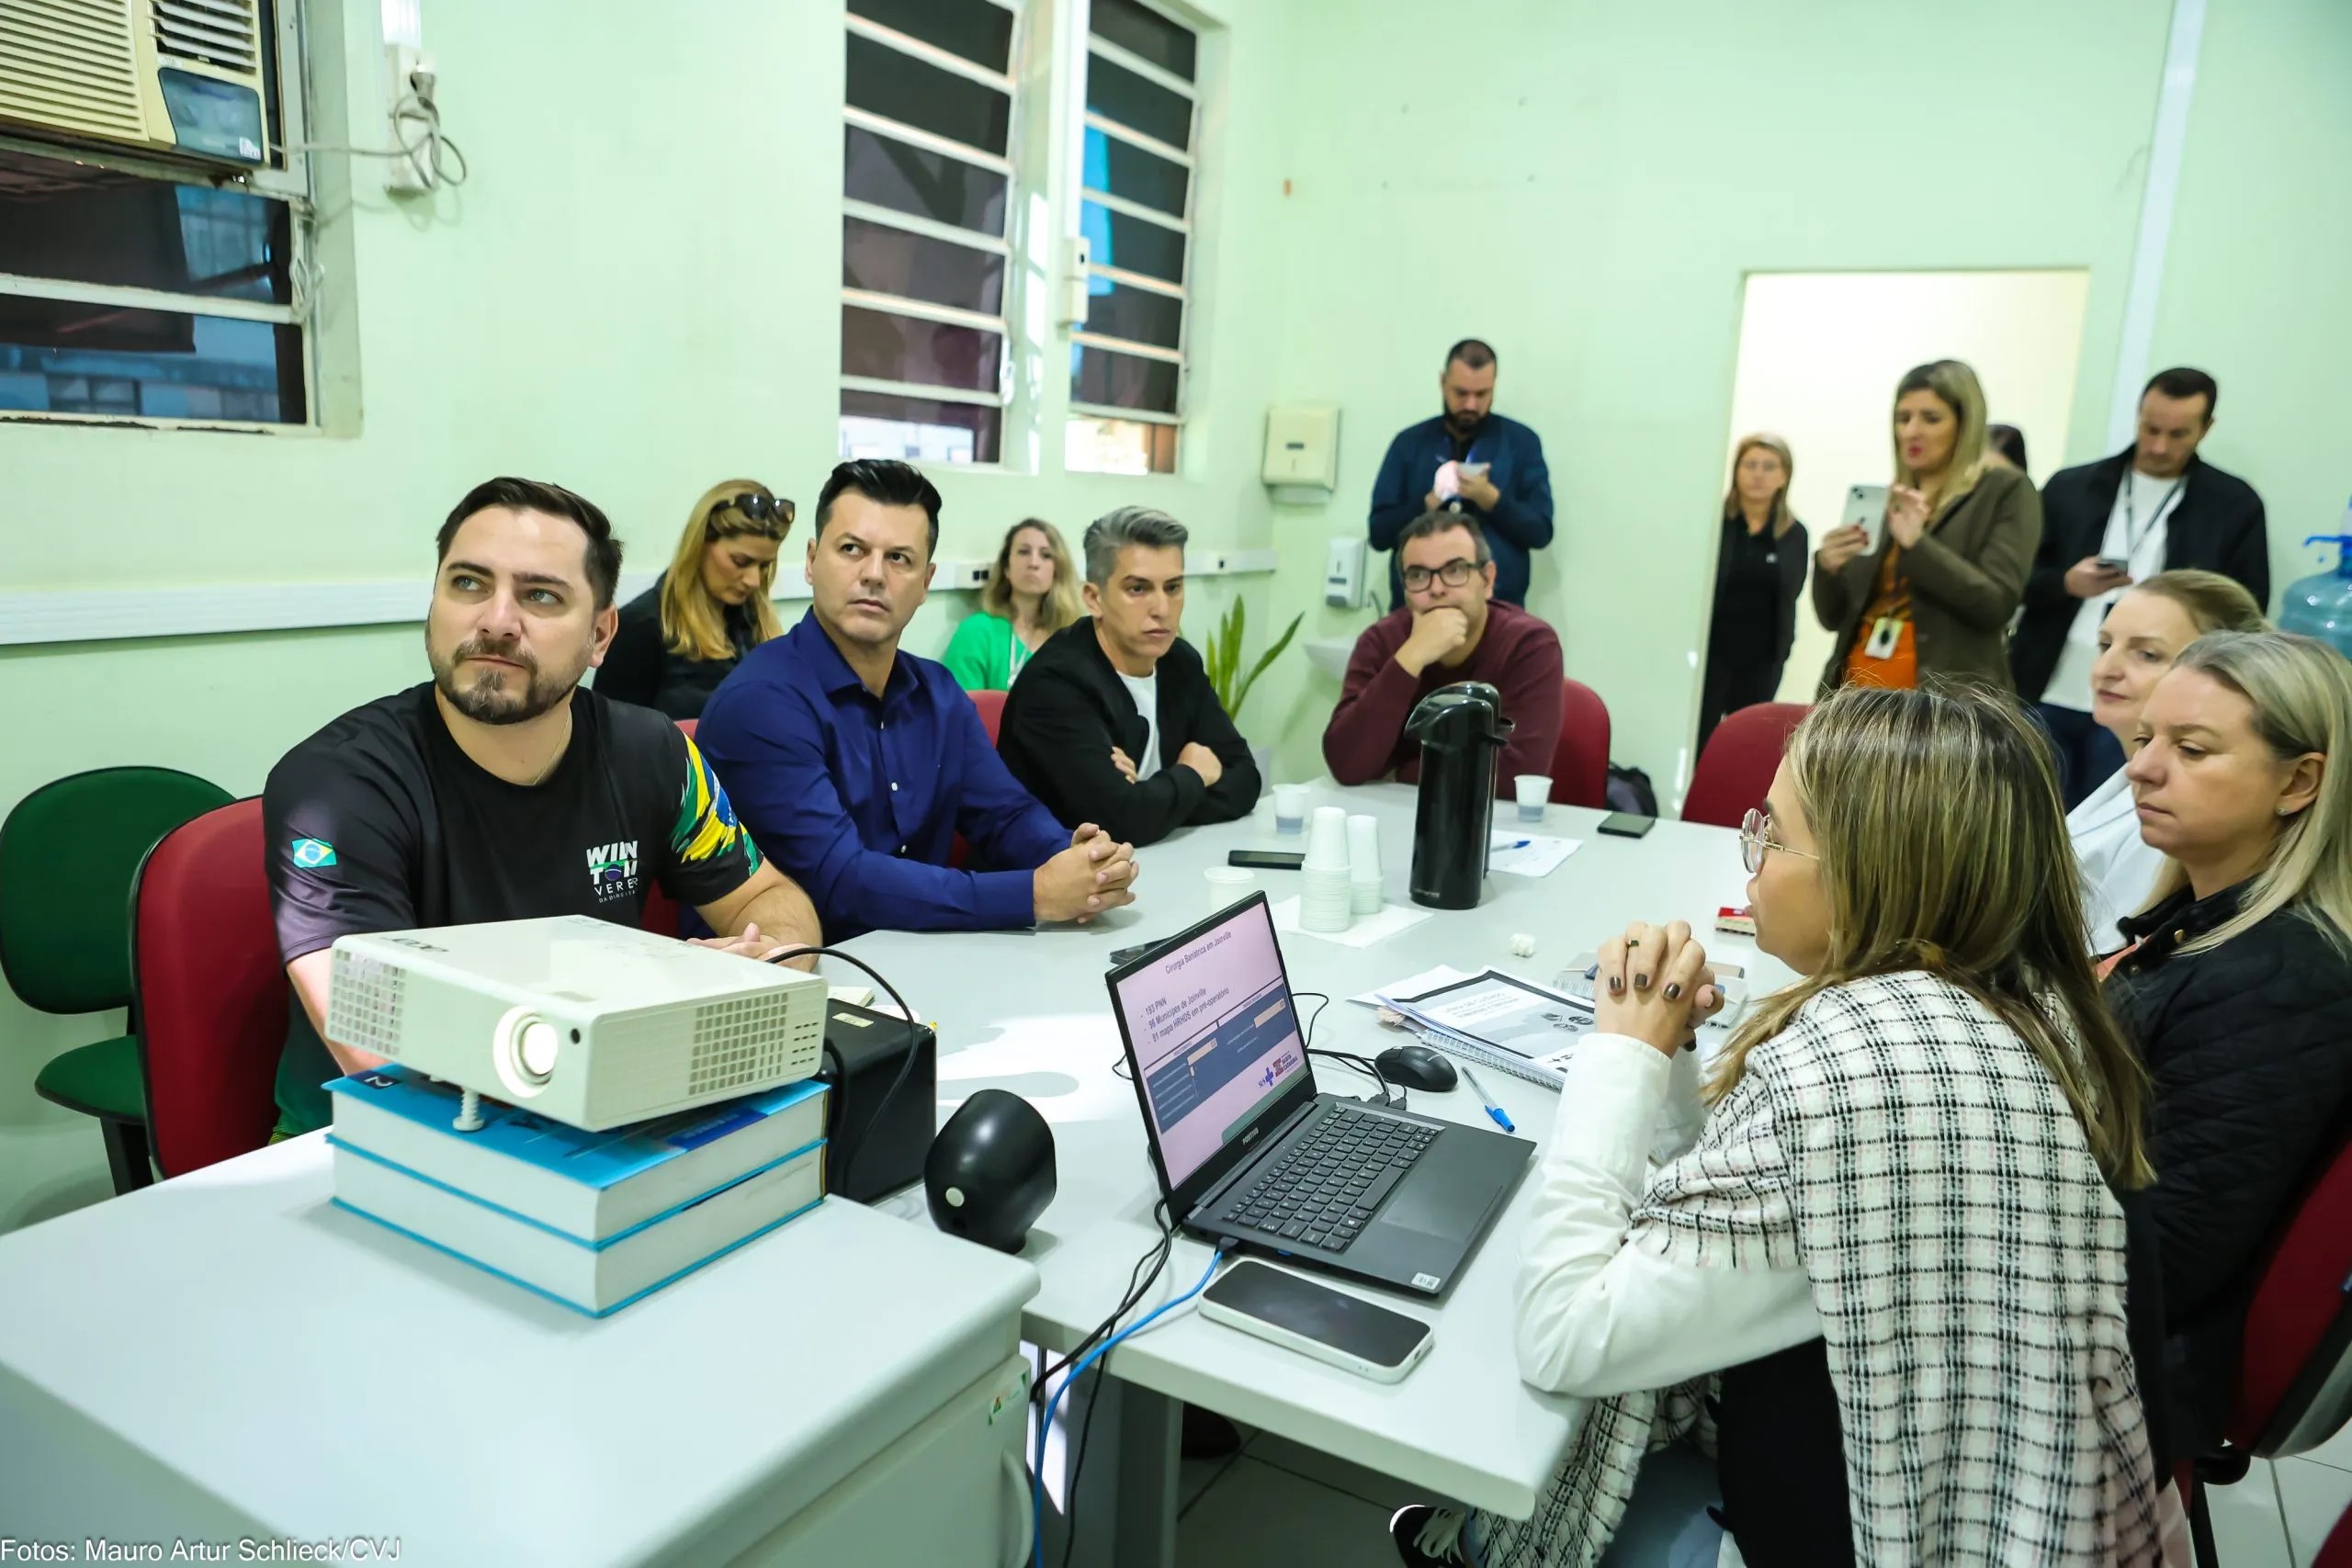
point(1653, 983)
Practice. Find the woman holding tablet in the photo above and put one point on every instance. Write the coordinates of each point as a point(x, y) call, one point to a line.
point(1930, 592)
point(1797, 1263)
point(2137, 643)
point(1759, 572)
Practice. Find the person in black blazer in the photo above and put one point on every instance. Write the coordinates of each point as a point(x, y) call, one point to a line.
point(1759, 572)
point(2158, 507)
point(2236, 986)
point(1114, 720)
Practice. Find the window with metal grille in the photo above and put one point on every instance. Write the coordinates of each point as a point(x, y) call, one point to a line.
point(927, 183)
point(1139, 179)
point(151, 251)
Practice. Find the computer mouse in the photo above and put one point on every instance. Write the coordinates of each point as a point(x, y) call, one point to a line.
point(1417, 1066)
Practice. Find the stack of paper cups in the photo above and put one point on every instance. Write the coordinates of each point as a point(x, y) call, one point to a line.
point(1323, 904)
point(1363, 864)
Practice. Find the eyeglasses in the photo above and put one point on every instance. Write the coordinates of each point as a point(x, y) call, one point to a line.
point(1756, 838)
point(760, 508)
point(1454, 574)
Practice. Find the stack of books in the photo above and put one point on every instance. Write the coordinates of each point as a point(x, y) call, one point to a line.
point(592, 1219)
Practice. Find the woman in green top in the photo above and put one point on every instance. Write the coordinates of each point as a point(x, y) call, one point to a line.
point(1030, 594)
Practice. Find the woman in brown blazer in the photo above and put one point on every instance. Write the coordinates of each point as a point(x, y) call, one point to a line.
point(1935, 599)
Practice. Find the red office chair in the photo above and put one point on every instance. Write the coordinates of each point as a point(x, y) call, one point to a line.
point(2337, 1552)
point(1580, 759)
point(1736, 770)
point(209, 991)
point(2294, 1388)
point(991, 706)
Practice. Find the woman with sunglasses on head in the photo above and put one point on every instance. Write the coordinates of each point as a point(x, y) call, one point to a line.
point(2237, 985)
point(1910, 1354)
point(1030, 594)
point(2137, 643)
point(682, 636)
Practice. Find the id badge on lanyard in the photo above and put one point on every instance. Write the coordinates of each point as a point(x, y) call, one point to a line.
point(1885, 632)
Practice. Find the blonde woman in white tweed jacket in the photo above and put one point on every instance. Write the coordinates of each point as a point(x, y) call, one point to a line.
point(1885, 1285)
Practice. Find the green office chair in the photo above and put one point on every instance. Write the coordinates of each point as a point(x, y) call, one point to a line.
point(68, 855)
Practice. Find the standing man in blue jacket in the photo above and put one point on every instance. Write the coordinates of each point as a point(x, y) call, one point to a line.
point(1468, 459)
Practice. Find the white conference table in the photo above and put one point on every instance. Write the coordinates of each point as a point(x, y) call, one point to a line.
point(1029, 1012)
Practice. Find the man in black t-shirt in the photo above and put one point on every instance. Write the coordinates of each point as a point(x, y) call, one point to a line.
point(500, 789)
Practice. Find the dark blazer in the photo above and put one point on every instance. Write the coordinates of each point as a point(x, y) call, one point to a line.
point(2217, 526)
point(1792, 558)
point(2250, 1048)
point(1967, 574)
point(1521, 521)
point(1068, 708)
point(640, 667)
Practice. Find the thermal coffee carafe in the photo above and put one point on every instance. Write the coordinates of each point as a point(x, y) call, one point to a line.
point(1461, 730)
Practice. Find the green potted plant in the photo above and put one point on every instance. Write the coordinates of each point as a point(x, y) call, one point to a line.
point(1223, 657)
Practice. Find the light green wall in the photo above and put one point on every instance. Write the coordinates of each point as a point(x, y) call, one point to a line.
point(2255, 284)
point(636, 294)
point(1586, 182)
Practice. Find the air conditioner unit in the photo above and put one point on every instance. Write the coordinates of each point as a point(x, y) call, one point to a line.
point(177, 76)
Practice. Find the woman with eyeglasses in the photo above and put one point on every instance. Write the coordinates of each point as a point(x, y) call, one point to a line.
point(1948, 569)
point(2143, 634)
point(682, 636)
point(1030, 594)
point(2236, 986)
point(1911, 1354)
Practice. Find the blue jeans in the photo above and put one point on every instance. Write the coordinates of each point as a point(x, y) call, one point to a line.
point(2087, 754)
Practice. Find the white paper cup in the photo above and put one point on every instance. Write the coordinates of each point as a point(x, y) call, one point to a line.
point(1363, 848)
point(1228, 883)
point(1290, 809)
point(1534, 793)
point(1327, 841)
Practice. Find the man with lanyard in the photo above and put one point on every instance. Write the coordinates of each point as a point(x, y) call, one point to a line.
point(1470, 460)
point(502, 789)
point(2154, 507)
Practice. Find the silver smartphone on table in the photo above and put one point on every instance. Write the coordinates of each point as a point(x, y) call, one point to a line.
point(1866, 509)
point(1331, 1325)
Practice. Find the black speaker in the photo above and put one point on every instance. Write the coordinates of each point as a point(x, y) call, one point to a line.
point(863, 1051)
point(990, 1171)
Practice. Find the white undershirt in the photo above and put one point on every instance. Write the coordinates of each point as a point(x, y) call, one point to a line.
point(1145, 690)
point(2149, 502)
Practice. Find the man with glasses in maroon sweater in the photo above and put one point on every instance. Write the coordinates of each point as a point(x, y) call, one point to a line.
point(1451, 628)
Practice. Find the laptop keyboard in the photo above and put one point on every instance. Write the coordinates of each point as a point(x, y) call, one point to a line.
point(1326, 1185)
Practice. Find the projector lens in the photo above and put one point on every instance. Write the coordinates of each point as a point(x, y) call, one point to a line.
point(539, 1048)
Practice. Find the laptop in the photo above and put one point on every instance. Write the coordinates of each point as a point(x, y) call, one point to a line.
point(1247, 1152)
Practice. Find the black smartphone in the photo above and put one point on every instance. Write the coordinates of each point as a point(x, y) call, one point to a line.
point(1626, 824)
point(1267, 860)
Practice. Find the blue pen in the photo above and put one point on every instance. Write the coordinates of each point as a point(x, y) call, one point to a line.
point(1516, 844)
point(1492, 1109)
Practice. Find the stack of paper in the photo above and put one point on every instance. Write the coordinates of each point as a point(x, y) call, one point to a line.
point(1510, 1024)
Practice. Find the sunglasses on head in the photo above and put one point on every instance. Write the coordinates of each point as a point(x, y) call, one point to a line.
point(759, 507)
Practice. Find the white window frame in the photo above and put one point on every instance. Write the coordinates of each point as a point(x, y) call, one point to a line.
point(1002, 322)
point(290, 184)
point(1084, 120)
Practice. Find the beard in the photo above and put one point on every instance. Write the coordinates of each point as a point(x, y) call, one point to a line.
point(483, 697)
point(1462, 423)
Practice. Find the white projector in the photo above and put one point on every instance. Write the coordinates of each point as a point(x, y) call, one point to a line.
point(586, 1022)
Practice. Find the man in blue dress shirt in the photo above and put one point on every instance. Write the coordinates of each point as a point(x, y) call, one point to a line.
point(855, 765)
point(1473, 461)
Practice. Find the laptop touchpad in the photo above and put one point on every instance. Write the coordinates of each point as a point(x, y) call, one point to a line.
point(1425, 1206)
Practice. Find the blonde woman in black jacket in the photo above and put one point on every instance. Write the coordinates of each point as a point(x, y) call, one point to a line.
point(2237, 986)
point(1759, 572)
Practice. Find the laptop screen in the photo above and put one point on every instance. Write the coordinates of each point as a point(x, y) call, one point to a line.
point(1213, 1036)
